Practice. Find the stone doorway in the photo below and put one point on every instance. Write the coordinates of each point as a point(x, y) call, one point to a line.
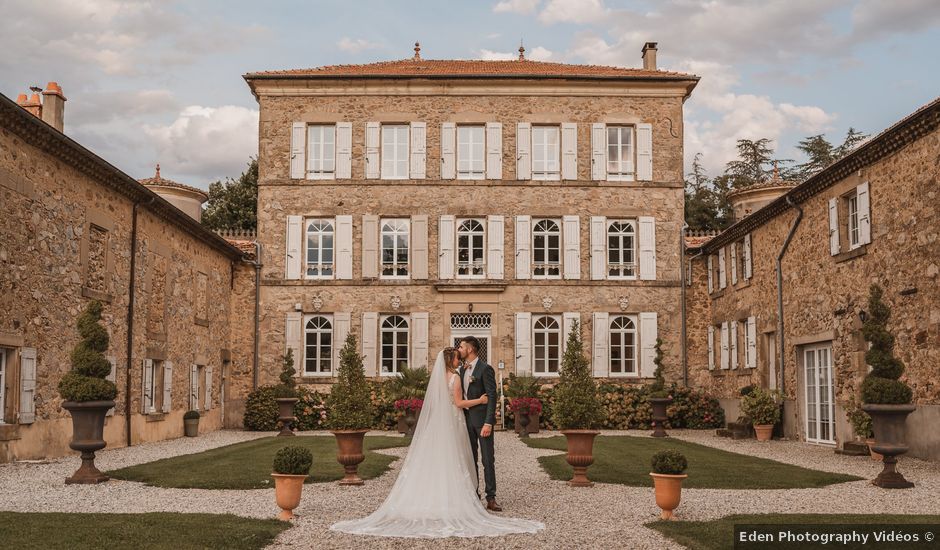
point(479, 325)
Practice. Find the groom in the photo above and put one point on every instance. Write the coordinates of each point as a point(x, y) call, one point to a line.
point(477, 378)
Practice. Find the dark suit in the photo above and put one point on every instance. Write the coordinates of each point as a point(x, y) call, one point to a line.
point(483, 381)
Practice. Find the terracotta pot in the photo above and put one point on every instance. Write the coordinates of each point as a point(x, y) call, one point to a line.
point(287, 491)
point(349, 445)
point(87, 437)
point(878, 457)
point(888, 424)
point(285, 413)
point(659, 405)
point(668, 490)
point(524, 422)
point(580, 455)
point(763, 431)
point(191, 427)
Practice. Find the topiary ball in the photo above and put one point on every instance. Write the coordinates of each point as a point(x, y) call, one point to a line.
point(293, 460)
point(669, 462)
point(76, 387)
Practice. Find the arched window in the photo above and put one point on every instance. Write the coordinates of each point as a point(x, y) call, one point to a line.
point(623, 345)
point(546, 249)
point(546, 344)
point(318, 346)
point(395, 248)
point(320, 233)
point(394, 344)
point(471, 249)
point(621, 249)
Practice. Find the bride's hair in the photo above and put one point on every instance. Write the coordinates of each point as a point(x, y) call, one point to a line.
point(449, 354)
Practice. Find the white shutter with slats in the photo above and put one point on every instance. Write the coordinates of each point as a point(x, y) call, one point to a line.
point(419, 339)
point(341, 325)
point(711, 284)
point(494, 151)
point(644, 152)
point(523, 247)
point(167, 386)
point(724, 345)
point(734, 263)
point(209, 376)
point(600, 356)
point(370, 332)
point(419, 247)
point(419, 164)
point(112, 377)
point(647, 248)
point(523, 151)
point(448, 151)
point(298, 146)
point(834, 245)
point(194, 383)
point(523, 344)
point(747, 256)
point(751, 343)
point(864, 213)
point(598, 248)
point(568, 320)
point(446, 234)
point(495, 237)
point(370, 246)
point(733, 336)
point(146, 394)
point(343, 150)
point(571, 237)
point(344, 247)
point(569, 151)
point(711, 347)
point(372, 150)
point(293, 337)
point(293, 241)
point(722, 278)
point(598, 151)
point(28, 362)
point(648, 335)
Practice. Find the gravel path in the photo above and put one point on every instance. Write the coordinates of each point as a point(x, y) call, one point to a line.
point(603, 516)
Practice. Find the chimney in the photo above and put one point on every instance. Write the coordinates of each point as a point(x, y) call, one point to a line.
point(33, 105)
point(649, 56)
point(53, 106)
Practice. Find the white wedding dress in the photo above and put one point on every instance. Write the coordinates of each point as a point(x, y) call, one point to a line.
point(435, 495)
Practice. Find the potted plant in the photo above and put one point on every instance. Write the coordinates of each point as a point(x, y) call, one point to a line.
point(291, 469)
point(761, 407)
point(576, 410)
point(884, 397)
point(861, 426)
point(350, 411)
point(668, 467)
point(409, 384)
point(285, 394)
point(524, 386)
point(410, 409)
point(191, 423)
point(659, 398)
point(88, 394)
point(524, 408)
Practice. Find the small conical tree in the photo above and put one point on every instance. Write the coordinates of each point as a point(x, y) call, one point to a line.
point(287, 387)
point(87, 379)
point(882, 385)
point(658, 387)
point(349, 404)
point(576, 406)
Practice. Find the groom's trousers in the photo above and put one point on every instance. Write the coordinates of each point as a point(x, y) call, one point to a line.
point(483, 448)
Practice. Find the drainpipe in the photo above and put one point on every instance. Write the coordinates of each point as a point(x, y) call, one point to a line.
point(682, 336)
point(783, 250)
point(257, 264)
point(131, 303)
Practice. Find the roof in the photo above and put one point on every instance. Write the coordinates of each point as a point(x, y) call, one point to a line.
point(697, 241)
point(159, 181)
point(769, 184)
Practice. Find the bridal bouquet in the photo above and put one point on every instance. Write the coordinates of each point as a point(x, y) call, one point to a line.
point(526, 405)
point(409, 405)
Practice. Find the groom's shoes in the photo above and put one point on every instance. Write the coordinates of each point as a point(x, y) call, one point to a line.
point(492, 506)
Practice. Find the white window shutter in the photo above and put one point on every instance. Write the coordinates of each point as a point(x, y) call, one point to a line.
point(293, 337)
point(598, 151)
point(600, 357)
point(734, 263)
point(494, 151)
point(523, 247)
point(724, 345)
point(419, 164)
point(711, 284)
point(523, 151)
point(146, 394)
point(447, 236)
point(448, 151)
point(571, 241)
point(598, 248)
point(167, 386)
point(298, 146)
point(864, 213)
point(644, 152)
point(419, 339)
point(370, 330)
point(194, 384)
point(112, 377)
point(495, 237)
point(372, 150)
point(341, 325)
point(648, 335)
point(722, 278)
point(208, 404)
point(834, 244)
point(344, 247)
point(751, 343)
point(27, 413)
point(569, 151)
point(523, 344)
point(370, 246)
point(711, 347)
point(733, 336)
point(747, 256)
point(419, 247)
point(343, 150)
point(647, 248)
point(568, 320)
point(293, 240)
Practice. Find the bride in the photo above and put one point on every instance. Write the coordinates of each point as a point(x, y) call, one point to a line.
point(435, 495)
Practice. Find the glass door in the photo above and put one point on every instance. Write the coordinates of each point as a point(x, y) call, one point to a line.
point(820, 409)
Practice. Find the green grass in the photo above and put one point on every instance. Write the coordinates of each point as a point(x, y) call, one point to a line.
point(248, 465)
point(49, 531)
point(719, 534)
point(626, 460)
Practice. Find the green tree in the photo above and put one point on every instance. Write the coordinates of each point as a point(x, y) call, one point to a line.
point(754, 163)
point(576, 406)
point(287, 388)
point(233, 203)
point(87, 381)
point(852, 138)
point(701, 203)
point(819, 153)
point(350, 401)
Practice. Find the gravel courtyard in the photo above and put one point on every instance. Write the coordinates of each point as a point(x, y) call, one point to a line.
point(605, 516)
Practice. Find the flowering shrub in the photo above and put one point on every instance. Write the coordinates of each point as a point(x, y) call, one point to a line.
point(526, 405)
point(409, 405)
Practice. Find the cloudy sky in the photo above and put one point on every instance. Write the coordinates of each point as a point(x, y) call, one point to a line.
point(160, 81)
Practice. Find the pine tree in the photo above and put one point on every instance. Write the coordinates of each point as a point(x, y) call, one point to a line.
point(349, 404)
point(576, 406)
point(87, 379)
point(882, 385)
point(233, 204)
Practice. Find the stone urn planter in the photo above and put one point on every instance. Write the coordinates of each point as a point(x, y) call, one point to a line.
point(287, 491)
point(285, 414)
point(659, 405)
point(668, 490)
point(763, 432)
point(524, 422)
point(350, 455)
point(888, 426)
point(87, 437)
point(580, 455)
point(411, 420)
point(533, 427)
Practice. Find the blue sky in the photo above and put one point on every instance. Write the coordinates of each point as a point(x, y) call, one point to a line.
point(160, 81)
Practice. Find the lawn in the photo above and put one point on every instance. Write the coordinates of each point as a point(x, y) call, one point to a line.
point(248, 465)
point(48, 531)
point(718, 534)
point(626, 460)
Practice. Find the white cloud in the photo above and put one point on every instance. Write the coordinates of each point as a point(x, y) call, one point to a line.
point(490, 55)
point(355, 46)
point(523, 7)
point(573, 11)
point(539, 53)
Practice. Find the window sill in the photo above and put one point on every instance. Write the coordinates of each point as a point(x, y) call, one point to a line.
point(717, 294)
point(202, 322)
point(155, 417)
point(156, 336)
point(742, 283)
point(316, 378)
point(851, 254)
point(96, 294)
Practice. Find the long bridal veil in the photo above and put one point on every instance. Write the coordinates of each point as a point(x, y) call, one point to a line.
point(435, 494)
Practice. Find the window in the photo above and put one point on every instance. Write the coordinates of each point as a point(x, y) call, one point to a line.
point(395, 248)
point(740, 260)
point(546, 250)
point(321, 152)
point(546, 344)
point(546, 146)
point(320, 233)
point(153, 389)
point(623, 346)
point(197, 377)
point(620, 153)
point(471, 249)
point(318, 346)
point(621, 249)
point(471, 153)
point(394, 151)
point(851, 202)
point(394, 333)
